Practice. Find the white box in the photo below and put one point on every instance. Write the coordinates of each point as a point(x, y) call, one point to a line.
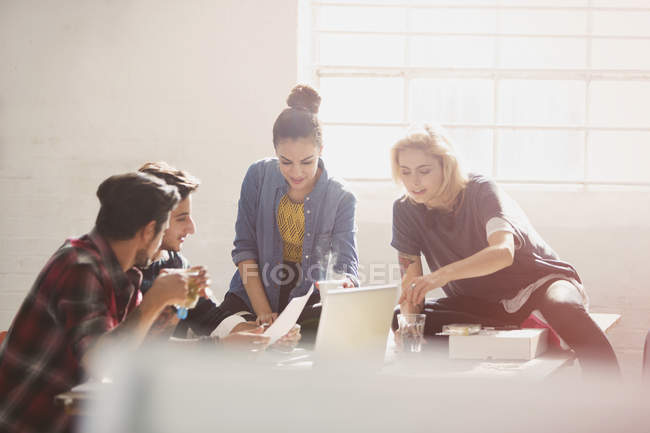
point(520, 344)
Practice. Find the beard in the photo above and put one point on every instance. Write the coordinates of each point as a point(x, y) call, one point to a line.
point(142, 260)
point(169, 246)
point(143, 257)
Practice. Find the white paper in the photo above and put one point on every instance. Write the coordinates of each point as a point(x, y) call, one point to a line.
point(288, 318)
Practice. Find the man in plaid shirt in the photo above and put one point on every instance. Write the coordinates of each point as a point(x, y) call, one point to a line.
point(87, 296)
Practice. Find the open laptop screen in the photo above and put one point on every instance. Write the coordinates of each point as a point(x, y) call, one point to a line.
point(355, 323)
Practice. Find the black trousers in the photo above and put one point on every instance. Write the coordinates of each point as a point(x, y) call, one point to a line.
point(561, 304)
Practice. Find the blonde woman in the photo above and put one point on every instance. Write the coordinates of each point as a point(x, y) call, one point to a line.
point(491, 263)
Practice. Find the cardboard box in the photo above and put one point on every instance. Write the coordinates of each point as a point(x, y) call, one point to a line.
point(516, 344)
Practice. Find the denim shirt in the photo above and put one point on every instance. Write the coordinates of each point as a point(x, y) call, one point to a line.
point(330, 231)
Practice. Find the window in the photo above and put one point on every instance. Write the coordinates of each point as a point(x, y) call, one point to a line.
point(531, 91)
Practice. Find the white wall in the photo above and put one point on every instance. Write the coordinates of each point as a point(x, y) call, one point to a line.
point(93, 88)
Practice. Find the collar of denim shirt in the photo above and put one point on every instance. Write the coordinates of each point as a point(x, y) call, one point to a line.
point(282, 184)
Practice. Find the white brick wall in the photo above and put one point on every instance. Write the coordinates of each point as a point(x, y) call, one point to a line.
point(89, 89)
point(93, 88)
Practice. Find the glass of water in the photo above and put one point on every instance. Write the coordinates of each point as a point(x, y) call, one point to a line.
point(410, 332)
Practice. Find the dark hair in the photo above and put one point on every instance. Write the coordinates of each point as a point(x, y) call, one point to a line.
point(185, 182)
point(300, 119)
point(130, 201)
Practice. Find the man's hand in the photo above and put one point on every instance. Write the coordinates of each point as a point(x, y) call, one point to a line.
point(246, 340)
point(285, 344)
point(202, 280)
point(170, 288)
point(244, 327)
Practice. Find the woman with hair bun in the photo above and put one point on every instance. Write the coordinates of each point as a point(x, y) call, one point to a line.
point(482, 251)
point(294, 222)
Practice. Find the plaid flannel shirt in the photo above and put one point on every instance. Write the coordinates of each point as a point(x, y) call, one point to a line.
point(81, 294)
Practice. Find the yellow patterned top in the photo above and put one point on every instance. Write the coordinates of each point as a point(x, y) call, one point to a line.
point(291, 223)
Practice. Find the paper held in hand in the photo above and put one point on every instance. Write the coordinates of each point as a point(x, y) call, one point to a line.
point(288, 318)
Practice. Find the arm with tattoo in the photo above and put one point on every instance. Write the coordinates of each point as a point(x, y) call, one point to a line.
point(410, 268)
point(164, 325)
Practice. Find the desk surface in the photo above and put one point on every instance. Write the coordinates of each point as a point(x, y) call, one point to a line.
point(432, 362)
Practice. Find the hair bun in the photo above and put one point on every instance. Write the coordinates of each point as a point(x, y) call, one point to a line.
point(304, 98)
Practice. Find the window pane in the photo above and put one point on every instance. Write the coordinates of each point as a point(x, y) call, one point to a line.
point(362, 99)
point(456, 2)
point(621, 3)
point(543, 22)
point(542, 102)
point(543, 53)
point(620, 54)
point(453, 20)
point(561, 3)
point(543, 155)
point(452, 100)
point(462, 91)
point(635, 23)
point(391, 2)
point(361, 50)
point(619, 156)
point(452, 51)
point(620, 103)
point(474, 148)
point(362, 18)
point(359, 152)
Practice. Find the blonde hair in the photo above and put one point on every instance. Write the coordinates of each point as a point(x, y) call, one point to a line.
point(434, 142)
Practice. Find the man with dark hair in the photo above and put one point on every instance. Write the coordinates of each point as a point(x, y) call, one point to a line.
point(86, 297)
point(206, 318)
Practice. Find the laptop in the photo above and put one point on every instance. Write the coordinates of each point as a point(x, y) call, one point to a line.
point(354, 324)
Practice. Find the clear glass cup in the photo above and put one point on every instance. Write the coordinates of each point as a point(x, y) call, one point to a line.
point(410, 332)
point(192, 296)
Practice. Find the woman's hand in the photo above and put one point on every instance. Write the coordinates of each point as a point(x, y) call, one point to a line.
point(266, 318)
point(408, 308)
point(348, 283)
point(414, 293)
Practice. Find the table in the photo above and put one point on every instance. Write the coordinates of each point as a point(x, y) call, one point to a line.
point(432, 362)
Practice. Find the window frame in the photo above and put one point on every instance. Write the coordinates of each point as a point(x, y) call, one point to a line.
point(316, 71)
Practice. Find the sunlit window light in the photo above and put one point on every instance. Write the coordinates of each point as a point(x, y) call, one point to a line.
point(531, 91)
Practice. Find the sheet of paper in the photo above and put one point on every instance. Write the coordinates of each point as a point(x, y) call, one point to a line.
point(288, 318)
